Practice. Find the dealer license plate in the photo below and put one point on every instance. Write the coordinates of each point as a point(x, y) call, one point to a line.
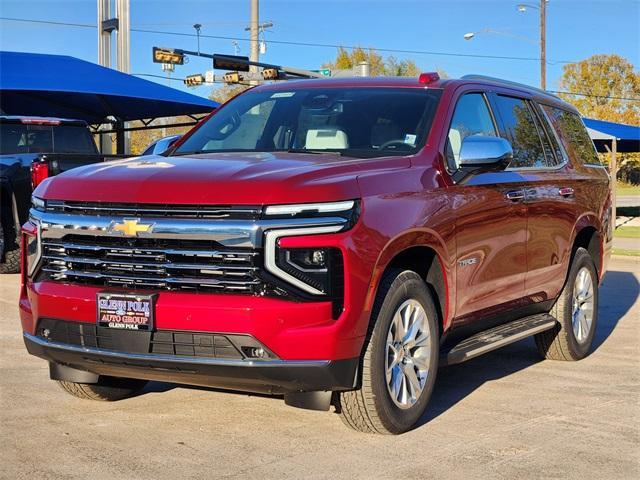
point(126, 312)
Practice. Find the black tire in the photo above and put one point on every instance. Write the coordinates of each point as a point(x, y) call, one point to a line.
point(371, 409)
point(9, 257)
point(561, 342)
point(108, 389)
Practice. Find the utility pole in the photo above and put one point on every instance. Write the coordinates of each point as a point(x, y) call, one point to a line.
point(254, 29)
point(543, 44)
point(121, 24)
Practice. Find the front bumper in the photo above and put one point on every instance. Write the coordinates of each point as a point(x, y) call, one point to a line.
point(262, 376)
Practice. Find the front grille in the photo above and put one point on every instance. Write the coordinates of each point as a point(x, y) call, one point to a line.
point(230, 212)
point(150, 263)
point(160, 342)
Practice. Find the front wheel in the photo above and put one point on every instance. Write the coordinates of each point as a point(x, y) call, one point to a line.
point(108, 389)
point(400, 362)
point(576, 311)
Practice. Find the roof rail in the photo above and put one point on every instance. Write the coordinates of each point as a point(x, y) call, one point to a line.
point(507, 83)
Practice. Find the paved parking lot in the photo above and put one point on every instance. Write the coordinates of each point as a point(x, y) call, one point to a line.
point(505, 415)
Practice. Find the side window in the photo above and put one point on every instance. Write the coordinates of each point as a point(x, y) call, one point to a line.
point(573, 135)
point(552, 134)
point(471, 117)
point(521, 131)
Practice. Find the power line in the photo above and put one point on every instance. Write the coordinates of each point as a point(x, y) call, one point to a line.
point(325, 45)
point(298, 44)
point(595, 96)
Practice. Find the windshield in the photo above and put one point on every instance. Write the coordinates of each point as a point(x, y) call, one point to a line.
point(351, 121)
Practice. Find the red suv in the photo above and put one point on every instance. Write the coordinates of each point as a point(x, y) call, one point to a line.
point(334, 241)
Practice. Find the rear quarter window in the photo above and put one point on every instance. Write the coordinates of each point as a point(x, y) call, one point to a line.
point(573, 135)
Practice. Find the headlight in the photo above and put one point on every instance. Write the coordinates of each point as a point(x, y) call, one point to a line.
point(348, 209)
point(318, 270)
point(31, 246)
point(309, 269)
point(38, 203)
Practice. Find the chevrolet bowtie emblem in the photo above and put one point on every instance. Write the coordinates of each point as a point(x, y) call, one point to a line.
point(131, 227)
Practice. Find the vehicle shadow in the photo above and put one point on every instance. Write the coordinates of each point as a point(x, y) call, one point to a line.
point(618, 293)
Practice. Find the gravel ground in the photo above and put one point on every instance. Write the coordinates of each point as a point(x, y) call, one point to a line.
point(505, 415)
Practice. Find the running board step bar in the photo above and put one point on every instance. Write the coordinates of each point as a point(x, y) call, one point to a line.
point(497, 337)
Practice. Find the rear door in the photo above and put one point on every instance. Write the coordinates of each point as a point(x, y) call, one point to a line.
point(490, 224)
point(549, 189)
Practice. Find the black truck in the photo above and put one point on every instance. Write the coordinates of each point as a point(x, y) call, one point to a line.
point(32, 149)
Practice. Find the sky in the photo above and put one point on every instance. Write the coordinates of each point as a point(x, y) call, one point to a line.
point(576, 29)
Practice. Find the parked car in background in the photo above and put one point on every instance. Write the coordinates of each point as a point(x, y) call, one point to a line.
point(334, 241)
point(161, 145)
point(32, 149)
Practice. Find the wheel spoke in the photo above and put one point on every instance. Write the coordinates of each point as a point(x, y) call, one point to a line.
point(422, 362)
point(410, 374)
point(408, 353)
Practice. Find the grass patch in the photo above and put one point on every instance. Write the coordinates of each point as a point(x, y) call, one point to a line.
point(626, 190)
point(627, 232)
point(626, 252)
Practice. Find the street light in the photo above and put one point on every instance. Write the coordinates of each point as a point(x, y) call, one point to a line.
point(542, 7)
point(471, 35)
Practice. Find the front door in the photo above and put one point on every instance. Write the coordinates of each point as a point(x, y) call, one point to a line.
point(491, 224)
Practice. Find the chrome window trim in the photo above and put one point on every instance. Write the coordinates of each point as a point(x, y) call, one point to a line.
point(271, 244)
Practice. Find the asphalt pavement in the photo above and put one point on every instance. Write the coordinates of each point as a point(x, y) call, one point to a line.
point(505, 415)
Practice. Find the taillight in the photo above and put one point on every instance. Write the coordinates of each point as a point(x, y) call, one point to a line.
point(39, 171)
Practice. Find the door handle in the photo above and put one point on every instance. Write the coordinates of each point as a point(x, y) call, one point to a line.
point(565, 192)
point(515, 195)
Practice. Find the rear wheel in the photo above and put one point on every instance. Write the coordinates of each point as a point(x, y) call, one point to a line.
point(9, 254)
point(400, 361)
point(108, 389)
point(576, 311)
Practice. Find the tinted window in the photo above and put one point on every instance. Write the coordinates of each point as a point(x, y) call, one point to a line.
point(573, 135)
point(39, 139)
point(72, 139)
point(354, 121)
point(560, 154)
point(13, 138)
point(471, 117)
point(522, 132)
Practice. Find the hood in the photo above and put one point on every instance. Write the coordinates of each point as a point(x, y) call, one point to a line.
point(216, 179)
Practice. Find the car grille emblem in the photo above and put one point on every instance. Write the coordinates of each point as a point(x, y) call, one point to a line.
point(131, 227)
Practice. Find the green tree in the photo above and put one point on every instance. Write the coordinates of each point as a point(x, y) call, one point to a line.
point(603, 77)
point(226, 92)
point(606, 76)
point(378, 66)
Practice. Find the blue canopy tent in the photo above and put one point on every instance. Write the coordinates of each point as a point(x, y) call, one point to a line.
point(603, 134)
point(61, 86)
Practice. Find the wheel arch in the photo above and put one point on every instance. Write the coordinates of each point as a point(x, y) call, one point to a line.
point(587, 235)
point(423, 253)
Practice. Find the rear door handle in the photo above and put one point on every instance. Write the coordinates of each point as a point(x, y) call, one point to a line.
point(565, 192)
point(515, 195)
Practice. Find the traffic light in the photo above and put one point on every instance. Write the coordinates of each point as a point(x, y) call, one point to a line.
point(167, 55)
point(194, 80)
point(270, 74)
point(232, 77)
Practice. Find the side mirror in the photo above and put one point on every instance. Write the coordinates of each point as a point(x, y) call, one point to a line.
point(480, 153)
